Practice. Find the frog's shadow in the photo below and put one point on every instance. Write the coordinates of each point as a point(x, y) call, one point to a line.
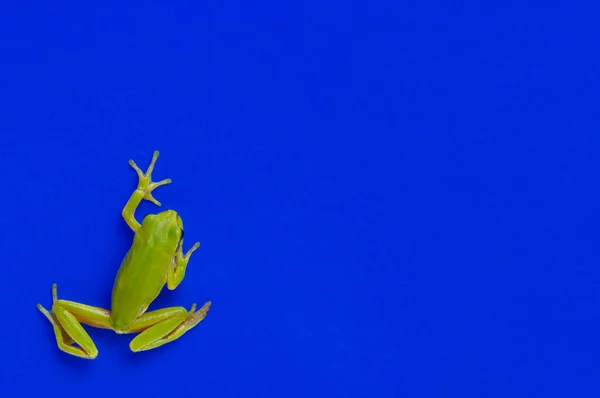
point(72, 362)
point(101, 339)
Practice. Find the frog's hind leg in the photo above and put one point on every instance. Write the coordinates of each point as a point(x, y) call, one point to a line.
point(65, 318)
point(64, 341)
point(166, 325)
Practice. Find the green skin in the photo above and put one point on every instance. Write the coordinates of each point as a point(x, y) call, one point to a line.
point(154, 259)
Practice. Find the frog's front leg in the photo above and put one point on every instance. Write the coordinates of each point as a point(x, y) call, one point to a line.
point(176, 272)
point(143, 191)
point(66, 318)
point(163, 326)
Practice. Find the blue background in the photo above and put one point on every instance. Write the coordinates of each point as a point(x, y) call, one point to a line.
point(394, 199)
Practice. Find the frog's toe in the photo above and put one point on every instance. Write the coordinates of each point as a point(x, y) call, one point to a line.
point(196, 317)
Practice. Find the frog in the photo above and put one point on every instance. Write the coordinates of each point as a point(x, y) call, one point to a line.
point(154, 259)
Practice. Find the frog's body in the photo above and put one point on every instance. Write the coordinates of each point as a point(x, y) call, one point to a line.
point(154, 245)
point(154, 259)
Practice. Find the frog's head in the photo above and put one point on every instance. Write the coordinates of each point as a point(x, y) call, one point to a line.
point(167, 224)
point(170, 218)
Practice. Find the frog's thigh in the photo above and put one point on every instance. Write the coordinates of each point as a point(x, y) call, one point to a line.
point(87, 314)
point(68, 331)
point(165, 326)
point(66, 317)
point(151, 318)
point(156, 325)
point(74, 329)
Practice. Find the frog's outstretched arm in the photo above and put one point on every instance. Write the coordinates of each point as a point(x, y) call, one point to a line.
point(143, 191)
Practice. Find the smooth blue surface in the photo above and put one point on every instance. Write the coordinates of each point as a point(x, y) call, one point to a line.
point(394, 199)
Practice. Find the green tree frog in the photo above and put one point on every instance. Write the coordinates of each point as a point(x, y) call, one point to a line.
point(154, 259)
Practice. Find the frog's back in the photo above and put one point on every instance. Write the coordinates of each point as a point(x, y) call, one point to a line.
point(141, 277)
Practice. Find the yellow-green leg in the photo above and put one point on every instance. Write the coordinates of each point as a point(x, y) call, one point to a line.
point(163, 326)
point(143, 191)
point(156, 327)
point(66, 318)
point(177, 272)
